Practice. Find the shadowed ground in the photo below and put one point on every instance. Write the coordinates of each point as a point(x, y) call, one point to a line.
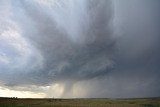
point(16, 102)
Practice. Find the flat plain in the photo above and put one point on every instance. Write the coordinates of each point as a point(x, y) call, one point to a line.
point(93, 102)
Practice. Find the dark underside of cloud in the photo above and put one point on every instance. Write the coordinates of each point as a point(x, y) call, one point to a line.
point(110, 49)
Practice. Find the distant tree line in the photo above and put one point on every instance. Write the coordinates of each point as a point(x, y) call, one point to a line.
point(9, 97)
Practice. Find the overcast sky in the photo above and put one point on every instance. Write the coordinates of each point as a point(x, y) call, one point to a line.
point(80, 48)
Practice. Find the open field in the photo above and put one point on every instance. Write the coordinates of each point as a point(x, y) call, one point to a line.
point(14, 102)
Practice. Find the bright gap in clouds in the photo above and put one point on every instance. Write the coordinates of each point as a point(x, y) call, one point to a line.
point(5, 92)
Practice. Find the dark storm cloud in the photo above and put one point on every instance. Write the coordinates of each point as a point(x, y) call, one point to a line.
point(137, 59)
point(108, 49)
point(87, 54)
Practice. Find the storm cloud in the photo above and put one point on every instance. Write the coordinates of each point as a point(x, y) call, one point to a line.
point(80, 48)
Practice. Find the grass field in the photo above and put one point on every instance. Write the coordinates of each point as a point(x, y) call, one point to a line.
point(13, 102)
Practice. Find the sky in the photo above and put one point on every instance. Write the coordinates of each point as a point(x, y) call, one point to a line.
point(79, 48)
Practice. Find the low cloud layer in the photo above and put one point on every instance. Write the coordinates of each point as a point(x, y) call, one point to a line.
point(80, 48)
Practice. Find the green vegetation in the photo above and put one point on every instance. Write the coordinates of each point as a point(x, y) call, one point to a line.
point(14, 102)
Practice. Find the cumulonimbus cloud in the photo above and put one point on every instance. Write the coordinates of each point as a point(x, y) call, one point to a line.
point(74, 38)
point(101, 45)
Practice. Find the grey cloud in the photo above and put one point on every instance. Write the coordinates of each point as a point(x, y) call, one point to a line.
point(64, 56)
point(108, 48)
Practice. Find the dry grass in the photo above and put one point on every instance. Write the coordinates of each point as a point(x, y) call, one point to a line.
point(13, 102)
